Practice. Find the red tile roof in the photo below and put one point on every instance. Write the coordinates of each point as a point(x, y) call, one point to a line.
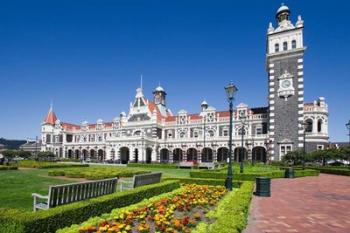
point(69, 126)
point(51, 117)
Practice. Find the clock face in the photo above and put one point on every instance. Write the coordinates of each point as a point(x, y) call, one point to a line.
point(286, 83)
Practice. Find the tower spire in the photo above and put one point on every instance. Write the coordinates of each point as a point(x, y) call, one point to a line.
point(141, 84)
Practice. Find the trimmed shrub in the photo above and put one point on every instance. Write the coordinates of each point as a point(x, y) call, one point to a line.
point(93, 173)
point(231, 214)
point(152, 165)
point(44, 165)
point(200, 181)
point(4, 168)
point(306, 172)
point(333, 170)
point(16, 221)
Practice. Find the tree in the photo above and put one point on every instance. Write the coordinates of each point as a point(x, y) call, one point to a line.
point(46, 155)
point(295, 157)
point(23, 154)
point(9, 154)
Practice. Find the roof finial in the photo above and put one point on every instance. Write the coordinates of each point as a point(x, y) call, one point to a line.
point(141, 86)
point(51, 105)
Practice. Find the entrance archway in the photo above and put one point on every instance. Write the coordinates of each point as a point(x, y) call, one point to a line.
point(177, 155)
point(148, 155)
point(192, 155)
point(101, 155)
point(136, 155)
point(70, 154)
point(259, 154)
point(77, 154)
point(85, 154)
point(223, 154)
point(124, 155)
point(164, 155)
point(207, 155)
point(240, 152)
point(92, 154)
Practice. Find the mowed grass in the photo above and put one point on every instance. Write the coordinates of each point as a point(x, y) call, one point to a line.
point(16, 187)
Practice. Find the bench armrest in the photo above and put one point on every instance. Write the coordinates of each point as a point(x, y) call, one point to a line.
point(36, 195)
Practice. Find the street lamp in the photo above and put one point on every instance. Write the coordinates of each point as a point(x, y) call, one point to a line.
point(230, 89)
point(243, 120)
point(348, 127)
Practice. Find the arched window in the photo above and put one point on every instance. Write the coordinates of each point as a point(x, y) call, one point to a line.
point(285, 46)
point(308, 125)
point(294, 44)
point(277, 47)
point(319, 126)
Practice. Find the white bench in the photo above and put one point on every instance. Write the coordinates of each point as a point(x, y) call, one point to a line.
point(141, 180)
point(68, 193)
point(185, 164)
point(208, 165)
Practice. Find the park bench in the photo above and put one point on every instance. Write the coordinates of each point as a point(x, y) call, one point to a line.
point(188, 164)
point(68, 193)
point(207, 165)
point(141, 180)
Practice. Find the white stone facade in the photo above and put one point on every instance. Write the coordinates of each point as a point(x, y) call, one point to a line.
point(151, 133)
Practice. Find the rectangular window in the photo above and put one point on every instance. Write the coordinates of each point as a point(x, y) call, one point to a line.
point(225, 133)
point(320, 147)
point(259, 131)
point(284, 149)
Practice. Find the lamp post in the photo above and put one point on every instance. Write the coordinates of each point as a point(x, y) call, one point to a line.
point(243, 119)
point(230, 89)
point(348, 127)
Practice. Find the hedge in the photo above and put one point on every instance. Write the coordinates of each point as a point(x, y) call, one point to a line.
point(2, 168)
point(96, 173)
point(231, 214)
point(152, 165)
point(201, 181)
point(250, 176)
point(44, 165)
point(17, 221)
point(334, 171)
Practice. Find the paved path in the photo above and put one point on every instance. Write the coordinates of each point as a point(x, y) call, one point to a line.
point(308, 205)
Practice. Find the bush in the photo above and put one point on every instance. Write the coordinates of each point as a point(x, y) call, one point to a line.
point(16, 221)
point(2, 168)
point(152, 165)
point(200, 181)
point(333, 170)
point(250, 176)
point(96, 173)
point(43, 165)
point(231, 214)
point(236, 176)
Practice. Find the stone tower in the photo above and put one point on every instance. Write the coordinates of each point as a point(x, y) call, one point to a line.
point(284, 64)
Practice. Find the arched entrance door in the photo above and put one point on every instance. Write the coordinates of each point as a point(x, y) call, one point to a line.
point(101, 155)
point(164, 155)
point(124, 155)
point(192, 155)
point(136, 155)
point(240, 153)
point(259, 154)
point(177, 156)
point(222, 154)
point(85, 154)
point(148, 155)
point(77, 154)
point(70, 154)
point(92, 154)
point(207, 155)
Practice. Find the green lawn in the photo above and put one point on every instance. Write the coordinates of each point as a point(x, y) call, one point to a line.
point(16, 187)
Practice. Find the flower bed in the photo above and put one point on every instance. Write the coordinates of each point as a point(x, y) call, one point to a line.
point(96, 173)
point(179, 211)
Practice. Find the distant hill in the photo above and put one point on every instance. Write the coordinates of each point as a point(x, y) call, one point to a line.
point(12, 144)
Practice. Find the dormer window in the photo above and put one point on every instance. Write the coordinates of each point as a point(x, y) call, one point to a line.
point(294, 44)
point(277, 48)
point(285, 46)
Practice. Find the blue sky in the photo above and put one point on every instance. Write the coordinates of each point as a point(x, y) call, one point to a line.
point(87, 56)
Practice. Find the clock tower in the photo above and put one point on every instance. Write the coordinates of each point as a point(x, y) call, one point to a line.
point(284, 64)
